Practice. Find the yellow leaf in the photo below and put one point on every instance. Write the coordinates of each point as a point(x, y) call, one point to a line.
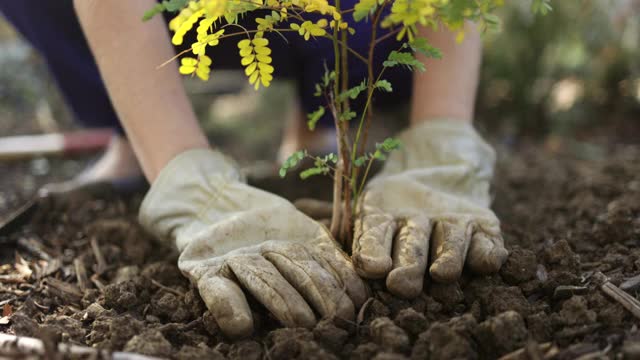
point(205, 60)
point(186, 70)
point(260, 42)
point(244, 43)
point(262, 50)
point(253, 77)
point(247, 60)
point(202, 74)
point(187, 61)
point(251, 68)
point(264, 58)
point(265, 68)
point(246, 51)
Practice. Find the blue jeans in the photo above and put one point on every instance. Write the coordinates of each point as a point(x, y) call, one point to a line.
point(52, 27)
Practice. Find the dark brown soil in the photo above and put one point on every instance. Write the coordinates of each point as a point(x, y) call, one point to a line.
point(563, 219)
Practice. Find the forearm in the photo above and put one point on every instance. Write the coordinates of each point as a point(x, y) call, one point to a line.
point(151, 103)
point(447, 89)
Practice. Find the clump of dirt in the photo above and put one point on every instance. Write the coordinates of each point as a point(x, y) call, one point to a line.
point(88, 274)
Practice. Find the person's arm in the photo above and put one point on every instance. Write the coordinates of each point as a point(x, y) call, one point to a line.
point(447, 89)
point(151, 103)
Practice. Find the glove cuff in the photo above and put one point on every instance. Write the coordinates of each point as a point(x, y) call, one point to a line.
point(177, 193)
point(442, 142)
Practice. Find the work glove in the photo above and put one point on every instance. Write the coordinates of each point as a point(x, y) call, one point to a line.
point(429, 205)
point(234, 238)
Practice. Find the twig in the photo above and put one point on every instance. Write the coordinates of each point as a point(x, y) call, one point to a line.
point(544, 348)
point(81, 274)
point(95, 279)
point(15, 346)
point(629, 302)
point(363, 309)
point(165, 288)
point(101, 264)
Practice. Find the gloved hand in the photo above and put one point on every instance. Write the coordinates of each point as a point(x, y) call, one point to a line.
point(430, 199)
point(234, 238)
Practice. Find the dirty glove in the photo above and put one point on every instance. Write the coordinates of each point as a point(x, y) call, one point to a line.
point(431, 199)
point(234, 238)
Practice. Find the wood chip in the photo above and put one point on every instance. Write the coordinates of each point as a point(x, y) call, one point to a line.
point(166, 288)
point(631, 283)
point(81, 274)
point(546, 350)
point(34, 247)
point(101, 264)
point(68, 292)
point(627, 301)
point(7, 310)
point(22, 267)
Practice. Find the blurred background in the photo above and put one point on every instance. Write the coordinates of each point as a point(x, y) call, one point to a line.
point(568, 80)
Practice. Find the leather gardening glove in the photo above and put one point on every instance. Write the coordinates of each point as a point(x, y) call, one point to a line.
point(234, 238)
point(430, 204)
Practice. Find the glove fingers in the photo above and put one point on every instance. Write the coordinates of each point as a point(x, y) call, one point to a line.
point(319, 287)
point(486, 252)
point(410, 251)
point(267, 285)
point(227, 303)
point(372, 245)
point(450, 243)
point(335, 261)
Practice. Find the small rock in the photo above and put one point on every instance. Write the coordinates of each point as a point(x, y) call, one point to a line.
point(165, 273)
point(441, 342)
point(150, 342)
point(502, 298)
point(502, 333)
point(93, 311)
point(330, 336)
point(411, 321)
point(521, 266)
point(126, 273)
point(201, 351)
point(539, 325)
point(389, 356)
point(245, 350)
point(388, 335)
point(575, 311)
point(448, 295)
point(365, 351)
point(561, 254)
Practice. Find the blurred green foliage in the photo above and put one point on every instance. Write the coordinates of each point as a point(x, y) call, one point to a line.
point(572, 69)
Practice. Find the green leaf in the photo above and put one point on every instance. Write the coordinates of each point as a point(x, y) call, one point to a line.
point(291, 162)
point(403, 58)
point(363, 8)
point(388, 145)
point(542, 7)
point(174, 5)
point(384, 85)
point(346, 116)
point(353, 92)
point(314, 117)
point(313, 171)
point(149, 14)
point(361, 160)
point(421, 45)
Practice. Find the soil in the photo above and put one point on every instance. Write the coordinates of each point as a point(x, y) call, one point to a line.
point(85, 273)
